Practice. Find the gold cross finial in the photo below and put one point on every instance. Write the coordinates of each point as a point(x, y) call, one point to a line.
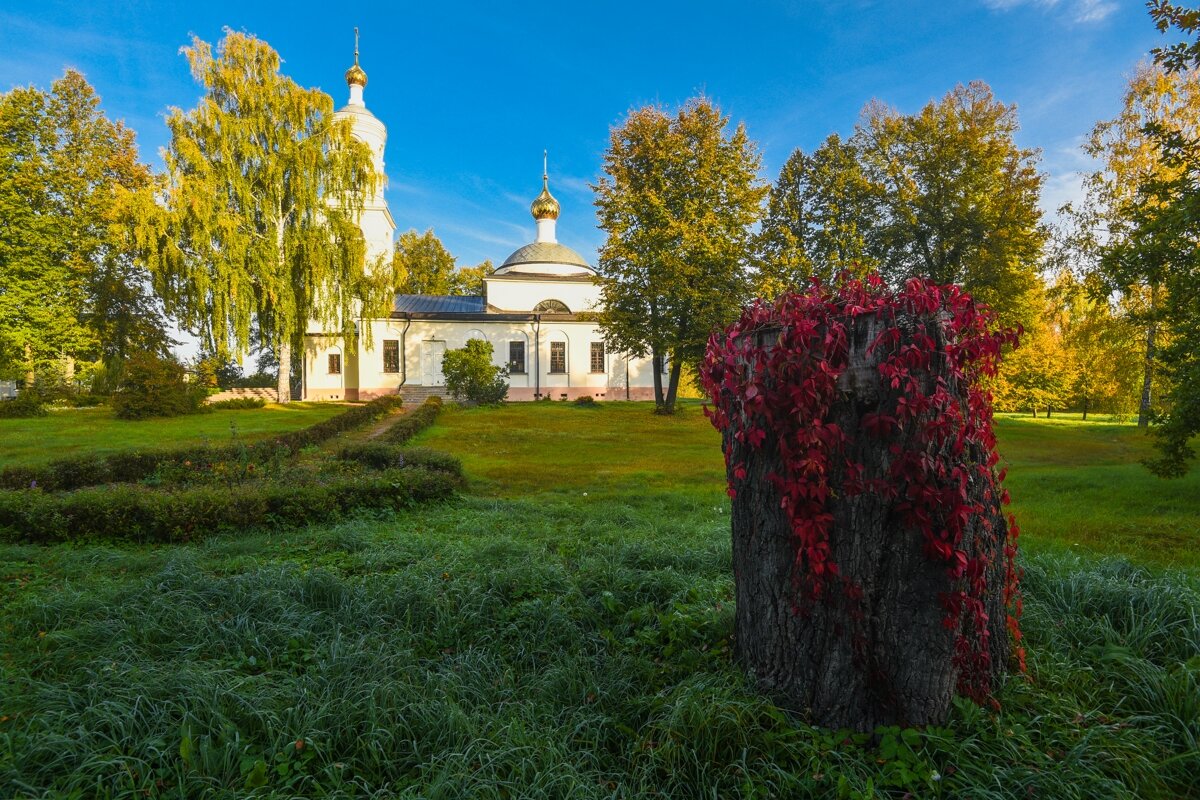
point(356, 45)
point(545, 162)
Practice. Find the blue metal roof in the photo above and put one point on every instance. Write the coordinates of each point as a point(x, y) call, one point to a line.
point(439, 304)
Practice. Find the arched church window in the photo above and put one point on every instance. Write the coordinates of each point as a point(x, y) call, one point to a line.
point(551, 307)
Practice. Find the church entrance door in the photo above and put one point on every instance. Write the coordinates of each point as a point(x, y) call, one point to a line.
point(431, 366)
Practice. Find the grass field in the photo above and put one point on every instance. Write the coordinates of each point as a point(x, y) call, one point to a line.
point(1074, 484)
point(563, 631)
point(95, 430)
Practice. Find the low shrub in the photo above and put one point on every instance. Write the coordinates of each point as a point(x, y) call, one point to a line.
point(471, 375)
point(152, 386)
point(585, 400)
point(414, 421)
point(236, 403)
point(26, 404)
point(138, 514)
point(133, 465)
point(84, 400)
point(380, 456)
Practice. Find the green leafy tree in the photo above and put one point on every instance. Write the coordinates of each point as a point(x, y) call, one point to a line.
point(678, 199)
point(425, 266)
point(1037, 375)
point(70, 288)
point(470, 374)
point(259, 230)
point(956, 200)
point(819, 214)
point(1181, 56)
point(1118, 247)
point(422, 263)
point(469, 280)
point(1101, 347)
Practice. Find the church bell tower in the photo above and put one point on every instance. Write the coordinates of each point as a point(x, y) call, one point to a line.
point(377, 225)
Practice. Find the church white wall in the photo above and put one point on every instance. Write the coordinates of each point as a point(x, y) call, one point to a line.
point(319, 382)
point(524, 295)
point(363, 375)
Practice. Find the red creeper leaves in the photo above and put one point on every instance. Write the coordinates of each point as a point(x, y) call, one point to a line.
point(773, 378)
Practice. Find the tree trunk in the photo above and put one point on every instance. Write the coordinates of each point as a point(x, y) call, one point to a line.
point(656, 367)
point(1048, 410)
point(1147, 376)
point(283, 384)
point(1085, 409)
point(673, 386)
point(874, 648)
point(30, 373)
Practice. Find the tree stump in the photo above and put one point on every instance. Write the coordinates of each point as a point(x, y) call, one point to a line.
point(873, 565)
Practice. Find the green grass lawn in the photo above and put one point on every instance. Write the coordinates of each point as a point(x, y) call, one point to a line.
point(95, 430)
point(563, 631)
point(1073, 484)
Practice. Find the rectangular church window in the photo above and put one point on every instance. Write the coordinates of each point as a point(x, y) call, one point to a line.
point(391, 355)
point(597, 356)
point(558, 356)
point(335, 363)
point(516, 358)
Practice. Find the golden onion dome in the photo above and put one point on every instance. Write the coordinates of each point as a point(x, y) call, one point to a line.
point(355, 75)
point(545, 206)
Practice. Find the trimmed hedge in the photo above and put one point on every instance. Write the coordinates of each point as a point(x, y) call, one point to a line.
point(139, 514)
point(380, 456)
point(414, 421)
point(133, 465)
point(26, 404)
point(235, 403)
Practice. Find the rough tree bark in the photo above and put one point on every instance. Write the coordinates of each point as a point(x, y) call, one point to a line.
point(843, 661)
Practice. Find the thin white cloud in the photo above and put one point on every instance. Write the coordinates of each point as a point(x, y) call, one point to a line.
point(483, 235)
point(1093, 10)
point(1081, 11)
point(572, 184)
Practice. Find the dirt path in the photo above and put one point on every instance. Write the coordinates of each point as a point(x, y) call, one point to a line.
point(381, 427)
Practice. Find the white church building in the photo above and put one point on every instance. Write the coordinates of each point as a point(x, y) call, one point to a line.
point(533, 311)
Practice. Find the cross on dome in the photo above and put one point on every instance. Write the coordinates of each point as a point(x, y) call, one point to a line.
point(355, 76)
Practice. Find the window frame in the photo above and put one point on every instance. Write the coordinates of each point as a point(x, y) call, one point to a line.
point(603, 358)
point(396, 364)
point(512, 369)
point(563, 370)
point(330, 360)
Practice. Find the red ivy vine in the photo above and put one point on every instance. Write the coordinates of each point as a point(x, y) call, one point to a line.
point(773, 377)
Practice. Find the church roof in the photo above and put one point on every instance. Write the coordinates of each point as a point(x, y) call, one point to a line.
point(439, 304)
point(545, 253)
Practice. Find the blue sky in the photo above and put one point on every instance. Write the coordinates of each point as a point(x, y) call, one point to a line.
point(473, 92)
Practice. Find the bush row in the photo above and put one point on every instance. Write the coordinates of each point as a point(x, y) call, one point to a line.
point(129, 466)
point(414, 421)
point(139, 514)
point(235, 403)
point(381, 456)
point(25, 404)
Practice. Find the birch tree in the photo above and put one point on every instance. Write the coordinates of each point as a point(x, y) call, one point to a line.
point(256, 228)
point(1129, 148)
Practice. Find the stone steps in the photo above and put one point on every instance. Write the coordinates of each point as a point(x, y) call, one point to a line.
point(415, 395)
point(269, 395)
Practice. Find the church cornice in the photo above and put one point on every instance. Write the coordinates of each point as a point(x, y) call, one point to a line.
point(542, 277)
